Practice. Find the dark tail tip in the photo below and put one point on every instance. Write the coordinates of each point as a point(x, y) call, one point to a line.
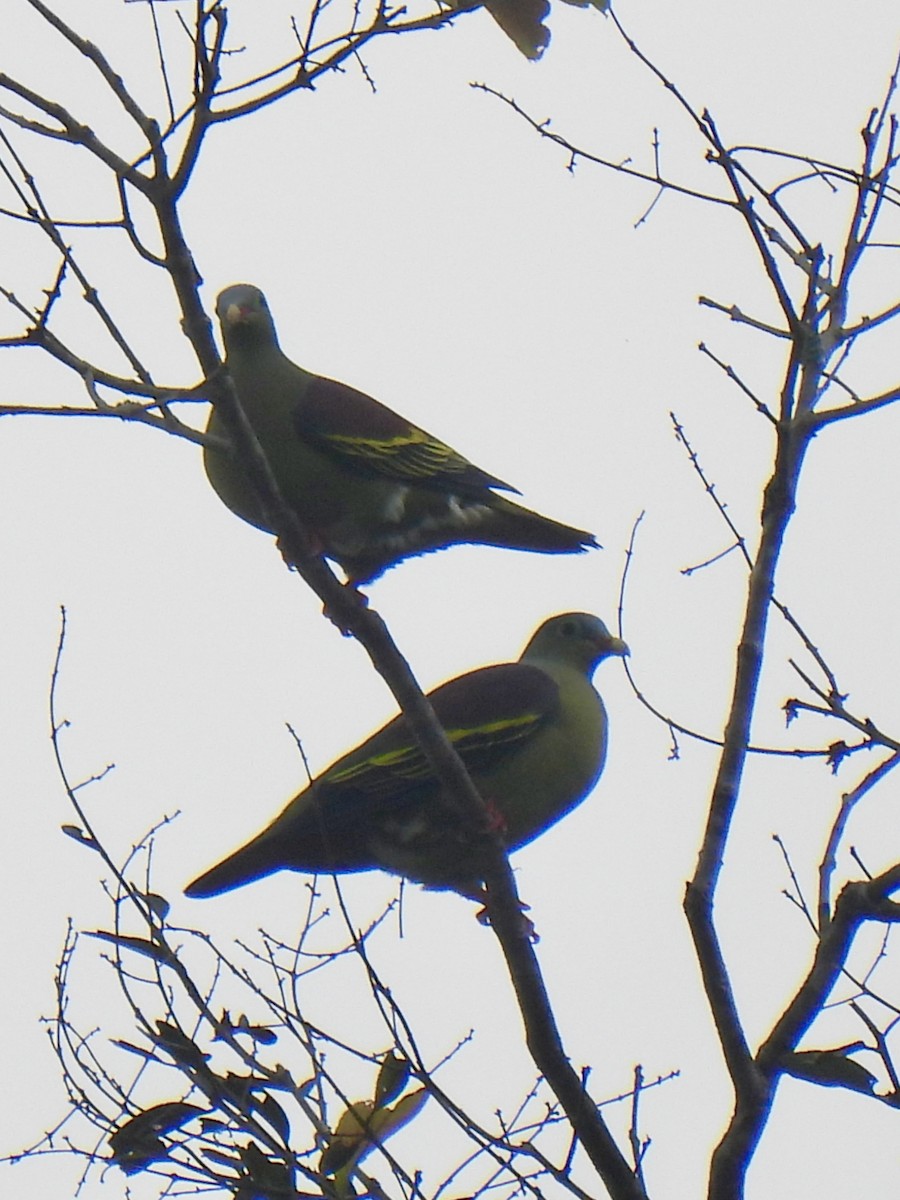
point(251, 862)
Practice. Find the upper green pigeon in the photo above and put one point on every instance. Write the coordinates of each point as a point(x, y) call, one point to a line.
point(532, 734)
point(369, 487)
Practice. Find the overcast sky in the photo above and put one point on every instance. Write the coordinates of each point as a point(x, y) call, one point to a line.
point(423, 244)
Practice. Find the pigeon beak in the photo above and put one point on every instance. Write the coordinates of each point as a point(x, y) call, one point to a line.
point(617, 646)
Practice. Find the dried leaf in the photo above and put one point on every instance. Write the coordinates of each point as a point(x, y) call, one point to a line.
point(275, 1115)
point(179, 1045)
point(523, 22)
point(161, 954)
point(132, 1049)
point(78, 835)
point(259, 1033)
point(264, 1176)
point(158, 905)
point(830, 1068)
point(392, 1077)
point(137, 1143)
point(361, 1128)
point(350, 1138)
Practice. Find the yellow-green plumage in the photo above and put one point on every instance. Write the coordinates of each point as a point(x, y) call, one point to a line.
point(532, 734)
point(369, 487)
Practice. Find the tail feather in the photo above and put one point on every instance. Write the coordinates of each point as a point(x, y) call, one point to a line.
point(512, 525)
point(305, 837)
point(500, 522)
point(253, 861)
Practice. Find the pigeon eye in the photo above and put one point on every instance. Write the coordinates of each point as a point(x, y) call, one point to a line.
point(569, 629)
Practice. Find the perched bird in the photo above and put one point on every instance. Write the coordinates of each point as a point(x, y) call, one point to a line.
point(370, 487)
point(531, 733)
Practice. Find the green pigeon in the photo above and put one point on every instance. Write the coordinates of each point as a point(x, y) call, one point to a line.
point(532, 734)
point(370, 487)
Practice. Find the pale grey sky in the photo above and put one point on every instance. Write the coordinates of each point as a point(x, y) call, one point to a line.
point(424, 245)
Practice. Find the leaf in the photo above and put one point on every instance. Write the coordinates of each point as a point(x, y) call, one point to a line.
point(260, 1033)
point(282, 1078)
point(522, 22)
point(161, 954)
point(158, 905)
point(402, 1113)
point(238, 1087)
point(137, 1155)
point(78, 835)
point(348, 1142)
point(241, 1088)
point(264, 1176)
point(830, 1068)
point(132, 1049)
point(361, 1128)
point(137, 1143)
point(275, 1115)
point(179, 1045)
point(392, 1077)
point(221, 1157)
point(215, 1125)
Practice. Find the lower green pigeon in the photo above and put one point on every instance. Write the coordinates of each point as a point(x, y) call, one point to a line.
point(369, 487)
point(532, 734)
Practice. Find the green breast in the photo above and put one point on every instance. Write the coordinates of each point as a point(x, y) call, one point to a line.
point(332, 500)
point(548, 778)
